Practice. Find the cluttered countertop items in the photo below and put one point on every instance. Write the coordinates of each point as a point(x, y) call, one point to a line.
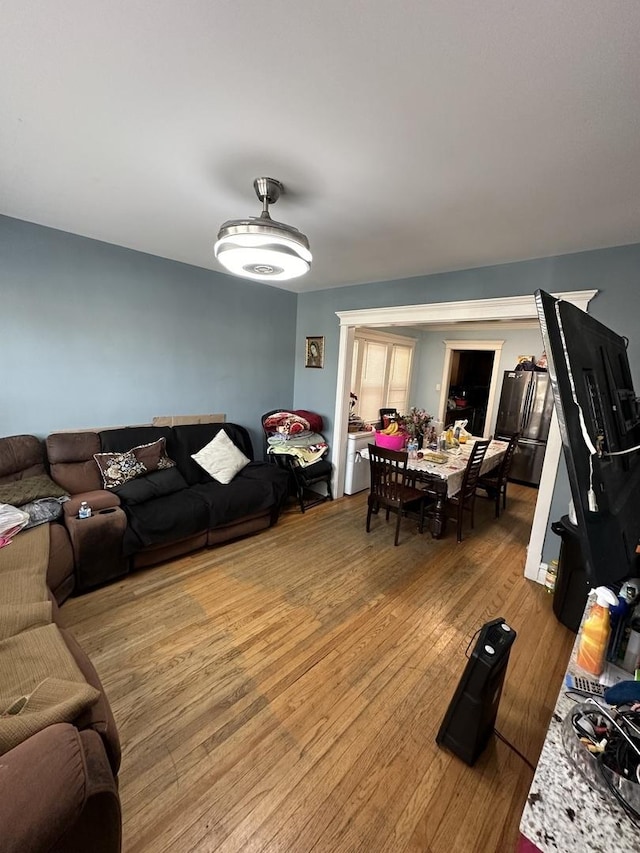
point(429, 446)
point(585, 794)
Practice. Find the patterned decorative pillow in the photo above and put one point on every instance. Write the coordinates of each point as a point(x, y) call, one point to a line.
point(118, 468)
point(154, 455)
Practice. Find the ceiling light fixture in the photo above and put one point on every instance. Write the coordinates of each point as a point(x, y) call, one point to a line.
point(260, 248)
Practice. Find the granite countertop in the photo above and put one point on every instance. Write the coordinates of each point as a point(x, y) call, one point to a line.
point(563, 812)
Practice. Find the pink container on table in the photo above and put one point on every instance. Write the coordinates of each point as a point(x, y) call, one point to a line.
point(391, 442)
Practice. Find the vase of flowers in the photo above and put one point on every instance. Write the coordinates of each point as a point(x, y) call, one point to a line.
point(416, 423)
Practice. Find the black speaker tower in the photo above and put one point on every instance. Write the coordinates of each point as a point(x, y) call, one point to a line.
point(471, 715)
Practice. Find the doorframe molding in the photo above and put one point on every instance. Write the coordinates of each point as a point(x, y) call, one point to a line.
point(489, 346)
point(503, 308)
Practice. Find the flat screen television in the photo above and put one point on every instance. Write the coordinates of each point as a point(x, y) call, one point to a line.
point(599, 417)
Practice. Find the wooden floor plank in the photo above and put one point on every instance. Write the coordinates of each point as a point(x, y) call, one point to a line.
point(283, 692)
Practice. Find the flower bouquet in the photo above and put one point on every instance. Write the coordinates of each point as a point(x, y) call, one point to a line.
point(416, 422)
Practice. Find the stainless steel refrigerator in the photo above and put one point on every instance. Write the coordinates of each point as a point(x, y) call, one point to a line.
point(526, 404)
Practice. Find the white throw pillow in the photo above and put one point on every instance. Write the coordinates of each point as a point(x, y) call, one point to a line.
point(221, 458)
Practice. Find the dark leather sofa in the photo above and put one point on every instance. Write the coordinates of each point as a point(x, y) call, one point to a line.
point(162, 515)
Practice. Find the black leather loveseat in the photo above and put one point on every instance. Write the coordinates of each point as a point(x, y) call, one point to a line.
point(164, 511)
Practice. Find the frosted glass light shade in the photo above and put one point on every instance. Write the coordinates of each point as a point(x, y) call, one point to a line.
point(262, 249)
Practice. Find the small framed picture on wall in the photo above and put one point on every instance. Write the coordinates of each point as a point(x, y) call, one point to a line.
point(314, 352)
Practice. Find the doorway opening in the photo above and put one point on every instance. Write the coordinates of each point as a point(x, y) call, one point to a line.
point(468, 388)
point(470, 377)
point(506, 308)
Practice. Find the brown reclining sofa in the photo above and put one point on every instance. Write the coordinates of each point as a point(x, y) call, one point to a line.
point(58, 787)
point(161, 514)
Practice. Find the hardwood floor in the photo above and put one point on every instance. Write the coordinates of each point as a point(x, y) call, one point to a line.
point(283, 692)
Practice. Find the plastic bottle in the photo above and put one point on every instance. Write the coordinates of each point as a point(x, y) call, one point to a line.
point(84, 511)
point(595, 632)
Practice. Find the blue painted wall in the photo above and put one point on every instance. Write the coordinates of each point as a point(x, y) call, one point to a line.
point(96, 335)
point(615, 273)
point(430, 360)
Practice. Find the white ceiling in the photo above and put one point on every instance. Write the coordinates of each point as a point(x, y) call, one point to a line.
point(412, 137)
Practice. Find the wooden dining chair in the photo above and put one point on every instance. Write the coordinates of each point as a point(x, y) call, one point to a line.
point(495, 482)
point(391, 486)
point(465, 500)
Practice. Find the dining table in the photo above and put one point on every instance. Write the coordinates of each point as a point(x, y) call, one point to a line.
point(441, 473)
